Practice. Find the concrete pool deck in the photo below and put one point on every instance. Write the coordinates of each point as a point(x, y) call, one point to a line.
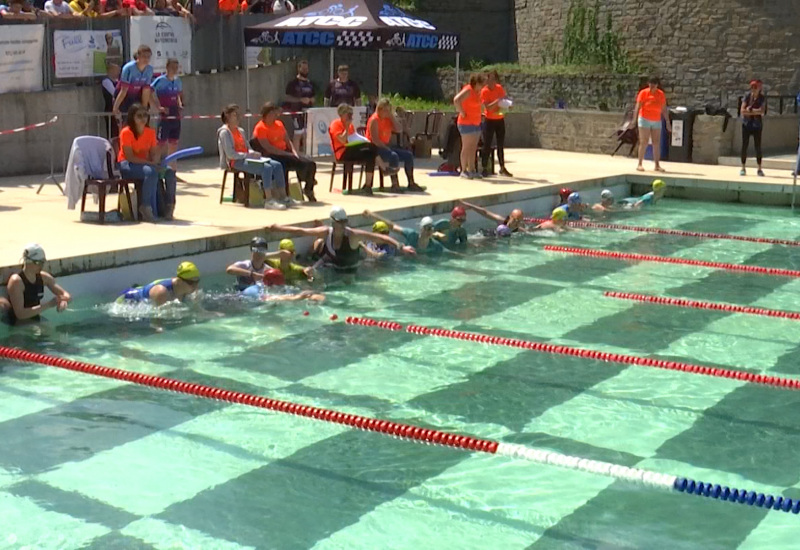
point(203, 225)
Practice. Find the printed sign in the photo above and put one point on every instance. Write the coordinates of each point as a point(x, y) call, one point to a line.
point(85, 53)
point(318, 142)
point(21, 49)
point(167, 37)
point(677, 133)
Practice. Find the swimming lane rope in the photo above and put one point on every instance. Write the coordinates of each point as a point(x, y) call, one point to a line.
point(676, 232)
point(645, 478)
point(761, 270)
point(695, 304)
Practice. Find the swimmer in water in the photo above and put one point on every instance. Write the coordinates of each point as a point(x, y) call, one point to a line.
point(159, 292)
point(425, 241)
point(557, 221)
point(606, 204)
point(563, 194)
point(292, 272)
point(512, 223)
point(248, 272)
point(455, 236)
point(648, 199)
point(574, 206)
point(379, 250)
point(272, 281)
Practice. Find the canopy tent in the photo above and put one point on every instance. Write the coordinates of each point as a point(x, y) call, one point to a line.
point(364, 25)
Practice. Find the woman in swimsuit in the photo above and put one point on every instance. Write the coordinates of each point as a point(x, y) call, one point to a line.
point(26, 289)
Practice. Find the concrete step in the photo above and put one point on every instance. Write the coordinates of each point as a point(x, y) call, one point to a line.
point(778, 162)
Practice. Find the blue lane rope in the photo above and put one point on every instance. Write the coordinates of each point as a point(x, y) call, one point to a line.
point(750, 498)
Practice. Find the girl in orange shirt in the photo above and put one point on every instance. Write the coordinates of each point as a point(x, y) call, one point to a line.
point(380, 128)
point(468, 105)
point(651, 107)
point(495, 124)
point(139, 158)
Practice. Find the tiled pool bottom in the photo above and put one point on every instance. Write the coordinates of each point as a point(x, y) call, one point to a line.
point(93, 463)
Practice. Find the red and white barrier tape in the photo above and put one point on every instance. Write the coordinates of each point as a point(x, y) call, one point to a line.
point(31, 127)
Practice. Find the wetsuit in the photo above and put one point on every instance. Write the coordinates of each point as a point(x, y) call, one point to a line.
point(345, 258)
point(647, 199)
point(32, 295)
point(142, 293)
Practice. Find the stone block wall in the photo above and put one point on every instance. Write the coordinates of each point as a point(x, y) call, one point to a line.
point(705, 51)
point(584, 131)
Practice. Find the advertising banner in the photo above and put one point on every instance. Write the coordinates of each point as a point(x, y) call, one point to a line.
point(167, 37)
point(21, 48)
point(85, 53)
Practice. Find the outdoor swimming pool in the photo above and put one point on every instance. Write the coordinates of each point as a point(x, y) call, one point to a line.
point(94, 463)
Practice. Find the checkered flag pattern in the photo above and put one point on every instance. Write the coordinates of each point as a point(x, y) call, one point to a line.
point(354, 39)
point(448, 42)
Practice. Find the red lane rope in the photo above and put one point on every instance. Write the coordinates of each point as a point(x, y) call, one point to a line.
point(744, 376)
point(677, 232)
point(682, 302)
point(670, 260)
point(406, 431)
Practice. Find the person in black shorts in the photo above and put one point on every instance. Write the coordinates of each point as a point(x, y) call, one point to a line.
point(342, 91)
point(300, 94)
point(752, 111)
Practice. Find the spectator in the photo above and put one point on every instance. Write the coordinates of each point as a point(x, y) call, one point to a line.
point(229, 7)
point(109, 86)
point(113, 49)
point(752, 111)
point(495, 124)
point(651, 107)
point(364, 153)
point(234, 153)
point(177, 7)
point(139, 157)
point(16, 10)
point(282, 7)
point(134, 82)
point(270, 138)
point(58, 8)
point(342, 91)
point(86, 8)
point(380, 128)
point(169, 91)
point(300, 94)
point(468, 104)
point(115, 8)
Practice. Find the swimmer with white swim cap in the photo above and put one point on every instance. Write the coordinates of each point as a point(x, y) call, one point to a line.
point(606, 204)
point(648, 199)
point(425, 240)
point(506, 225)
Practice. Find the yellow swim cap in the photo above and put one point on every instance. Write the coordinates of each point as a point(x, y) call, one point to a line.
point(286, 244)
point(188, 271)
point(380, 227)
point(559, 214)
point(658, 184)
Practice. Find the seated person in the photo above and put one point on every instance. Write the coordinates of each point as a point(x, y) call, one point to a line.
point(342, 131)
point(270, 138)
point(234, 155)
point(271, 285)
point(606, 204)
point(380, 128)
point(250, 272)
point(514, 222)
point(557, 221)
point(291, 271)
point(26, 290)
point(455, 236)
point(161, 291)
point(424, 241)
point(648, 199)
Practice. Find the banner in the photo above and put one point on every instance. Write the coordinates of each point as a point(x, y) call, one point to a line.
point(167, 36)
point(21, 48)
point(85, 53)
point(318, 141)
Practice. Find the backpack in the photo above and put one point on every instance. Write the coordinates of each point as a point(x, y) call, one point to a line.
point(452, 145)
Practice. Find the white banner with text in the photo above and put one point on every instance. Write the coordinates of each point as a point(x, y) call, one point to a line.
point(21, 48)
point(85, 53)
point(167, 37)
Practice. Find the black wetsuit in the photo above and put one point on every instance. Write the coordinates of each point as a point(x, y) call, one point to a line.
point(345, 258)
point(32, 296)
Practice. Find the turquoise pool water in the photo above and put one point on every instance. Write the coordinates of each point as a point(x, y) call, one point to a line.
point(93, 463)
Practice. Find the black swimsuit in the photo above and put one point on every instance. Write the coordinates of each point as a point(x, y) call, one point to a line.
point(344, 259)
point(32, 296)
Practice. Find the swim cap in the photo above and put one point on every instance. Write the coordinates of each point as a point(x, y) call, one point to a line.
point(274, 277)
point(564, 193)
point(338, 214)
point(286, 244)
point(574, 198)
point(559, 214)
point(380, 227)
point(607, 195)
point(517, 214)
point(503, 230)
point(658, 184)
point(427, 221)
point(188, 271)
point(258, 244)
point(33, 252)
point(458, 212)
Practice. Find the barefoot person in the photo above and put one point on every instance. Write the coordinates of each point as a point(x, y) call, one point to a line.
point(513, 222)
point(651, 108)
point(26, 290)
point(468, 105)
point(752, 111)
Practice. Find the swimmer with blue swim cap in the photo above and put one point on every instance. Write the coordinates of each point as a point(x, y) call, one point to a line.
point(648, 199)
point(425, 240)
point(506, 225)
point(574, 206)
point(161, 291)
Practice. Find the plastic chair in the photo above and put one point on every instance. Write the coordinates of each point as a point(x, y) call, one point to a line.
point(104, 186)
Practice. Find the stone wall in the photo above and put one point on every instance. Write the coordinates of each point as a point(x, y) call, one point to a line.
point(602, 92)
point(704, 50)
point(584, 131)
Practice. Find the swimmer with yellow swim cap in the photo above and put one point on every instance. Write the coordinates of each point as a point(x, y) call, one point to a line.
point(648, 199)
point(379, 250)
point(557, 221)
point(185, 282)
point(291, 271)
point(426, 240)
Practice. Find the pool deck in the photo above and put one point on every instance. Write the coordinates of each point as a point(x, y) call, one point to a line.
point(204, 225)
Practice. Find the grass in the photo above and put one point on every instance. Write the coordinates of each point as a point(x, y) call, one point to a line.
point(419, 104)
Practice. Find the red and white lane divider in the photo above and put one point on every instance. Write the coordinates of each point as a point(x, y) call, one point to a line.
point(676, 232)
point(30, 127)
point(761, 270)
point(717, 372)
point(695, 304)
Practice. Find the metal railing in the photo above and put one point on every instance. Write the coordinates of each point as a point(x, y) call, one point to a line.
point(785, 104)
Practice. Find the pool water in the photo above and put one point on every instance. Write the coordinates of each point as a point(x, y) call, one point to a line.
point(87, 462)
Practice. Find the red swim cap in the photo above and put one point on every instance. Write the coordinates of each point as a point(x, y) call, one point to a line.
point(274, 277)
point(458, 212)
point(564, 193)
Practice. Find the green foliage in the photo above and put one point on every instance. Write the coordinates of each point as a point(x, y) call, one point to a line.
point(419, 104)
point(407, 5)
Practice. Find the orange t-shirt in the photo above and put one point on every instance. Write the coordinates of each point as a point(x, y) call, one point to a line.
point(385, 128)
point(472, 106)
point(228, 5)
point(141, 147)
point(336, 129)
point(238, 141)
point(490, 96)
point(274, 133)
point(652, 104)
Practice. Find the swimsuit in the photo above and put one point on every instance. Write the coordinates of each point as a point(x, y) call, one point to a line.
point(142, 293)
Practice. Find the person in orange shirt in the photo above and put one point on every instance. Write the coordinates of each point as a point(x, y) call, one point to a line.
point(139, 157)
point(229, 7)
point(468, 105)
point(380, 127)
point(495, 124)
point(342, 132)
point(651, 108)
point(271, 139)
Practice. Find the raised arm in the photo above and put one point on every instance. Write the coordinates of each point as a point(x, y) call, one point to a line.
point(482, 211)
point(365, 235)
point(396, 228)
point(295, 230)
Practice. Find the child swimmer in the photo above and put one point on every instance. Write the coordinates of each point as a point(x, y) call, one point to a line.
point(648, 199)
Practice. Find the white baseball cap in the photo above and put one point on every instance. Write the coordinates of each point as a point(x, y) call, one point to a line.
point(427, 221)
point(606, 194)
point(34, 252)
point(338, 214)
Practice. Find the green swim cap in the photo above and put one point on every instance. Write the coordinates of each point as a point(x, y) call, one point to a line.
point(380, 227)
point(286, 244)
point(658, 184)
